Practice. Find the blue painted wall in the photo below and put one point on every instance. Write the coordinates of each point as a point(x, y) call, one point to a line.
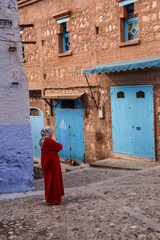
point(16, 159)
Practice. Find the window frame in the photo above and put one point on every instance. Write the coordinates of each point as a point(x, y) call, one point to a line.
point(128, 21)
point(61, 17)
point(23, 52)
point(65, 35)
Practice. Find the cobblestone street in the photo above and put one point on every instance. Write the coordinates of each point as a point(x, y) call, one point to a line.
point(98, 204)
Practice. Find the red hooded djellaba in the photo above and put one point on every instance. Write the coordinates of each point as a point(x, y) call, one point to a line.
point(51, 167)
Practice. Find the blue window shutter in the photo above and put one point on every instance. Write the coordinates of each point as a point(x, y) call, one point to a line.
point(126, 31)
point(66, 38)
point(134, 27)
point(133, 23)
point(64, 46)
point(66, 42)
point(65, 35)
point(126, 2)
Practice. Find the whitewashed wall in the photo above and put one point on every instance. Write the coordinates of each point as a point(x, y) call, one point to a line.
point(16, 156)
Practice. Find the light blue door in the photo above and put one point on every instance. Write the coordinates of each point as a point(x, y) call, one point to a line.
point(69, 129)
point(132, 120)
point(36, 116)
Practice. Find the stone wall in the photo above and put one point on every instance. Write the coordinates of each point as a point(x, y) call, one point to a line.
point(96, 38)
point(16, 158)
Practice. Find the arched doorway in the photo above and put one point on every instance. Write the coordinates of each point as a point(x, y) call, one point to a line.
point(69, 129)
point(36, 116)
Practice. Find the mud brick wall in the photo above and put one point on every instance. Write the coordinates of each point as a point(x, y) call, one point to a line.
point(96, 35)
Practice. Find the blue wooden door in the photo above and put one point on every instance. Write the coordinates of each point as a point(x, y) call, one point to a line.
point(70, 131)
point(36, 117)
point(132, 120)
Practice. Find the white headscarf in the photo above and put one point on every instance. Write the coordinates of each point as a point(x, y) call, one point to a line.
point(46, 132)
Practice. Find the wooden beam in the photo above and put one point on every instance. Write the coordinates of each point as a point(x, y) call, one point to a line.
point(29, 42)
point(24, 3)
point(50, 104)
point(26, 25)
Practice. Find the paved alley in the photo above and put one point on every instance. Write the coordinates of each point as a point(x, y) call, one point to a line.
point(98, 204)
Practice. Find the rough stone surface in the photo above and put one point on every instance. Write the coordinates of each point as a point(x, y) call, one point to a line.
point(16, 157)
point(82, 177)
point(121, 206)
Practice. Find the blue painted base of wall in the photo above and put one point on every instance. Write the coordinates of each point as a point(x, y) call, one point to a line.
point(16, 159)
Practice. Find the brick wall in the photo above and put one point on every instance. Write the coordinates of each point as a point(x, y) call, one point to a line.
point(96, 34)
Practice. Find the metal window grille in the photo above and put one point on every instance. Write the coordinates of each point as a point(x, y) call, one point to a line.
point(140, 94)
point(70, 104)
point(35, 93)
point(120, 94)
point(34, 112)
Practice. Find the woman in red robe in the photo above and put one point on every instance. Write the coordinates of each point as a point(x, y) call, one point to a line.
point(51, 167)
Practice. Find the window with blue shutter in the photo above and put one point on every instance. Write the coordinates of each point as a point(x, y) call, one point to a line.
point(63, 35)
point(65, 38)
point(23, 53)
point(131, 24)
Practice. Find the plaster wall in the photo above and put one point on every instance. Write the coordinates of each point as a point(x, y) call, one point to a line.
point(16, 157)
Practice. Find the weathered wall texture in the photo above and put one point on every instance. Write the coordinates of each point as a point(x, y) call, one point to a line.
point(96, 38)
point(16, 159)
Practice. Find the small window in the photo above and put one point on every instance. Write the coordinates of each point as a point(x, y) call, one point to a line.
point(65, 38)
point(63, 22)
point(23, 53)
point(68, 104)
point(140, 94)
point(97, 30)
point(35, 93)
point(131, 24)
point(120, 94)
point(34, 112)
